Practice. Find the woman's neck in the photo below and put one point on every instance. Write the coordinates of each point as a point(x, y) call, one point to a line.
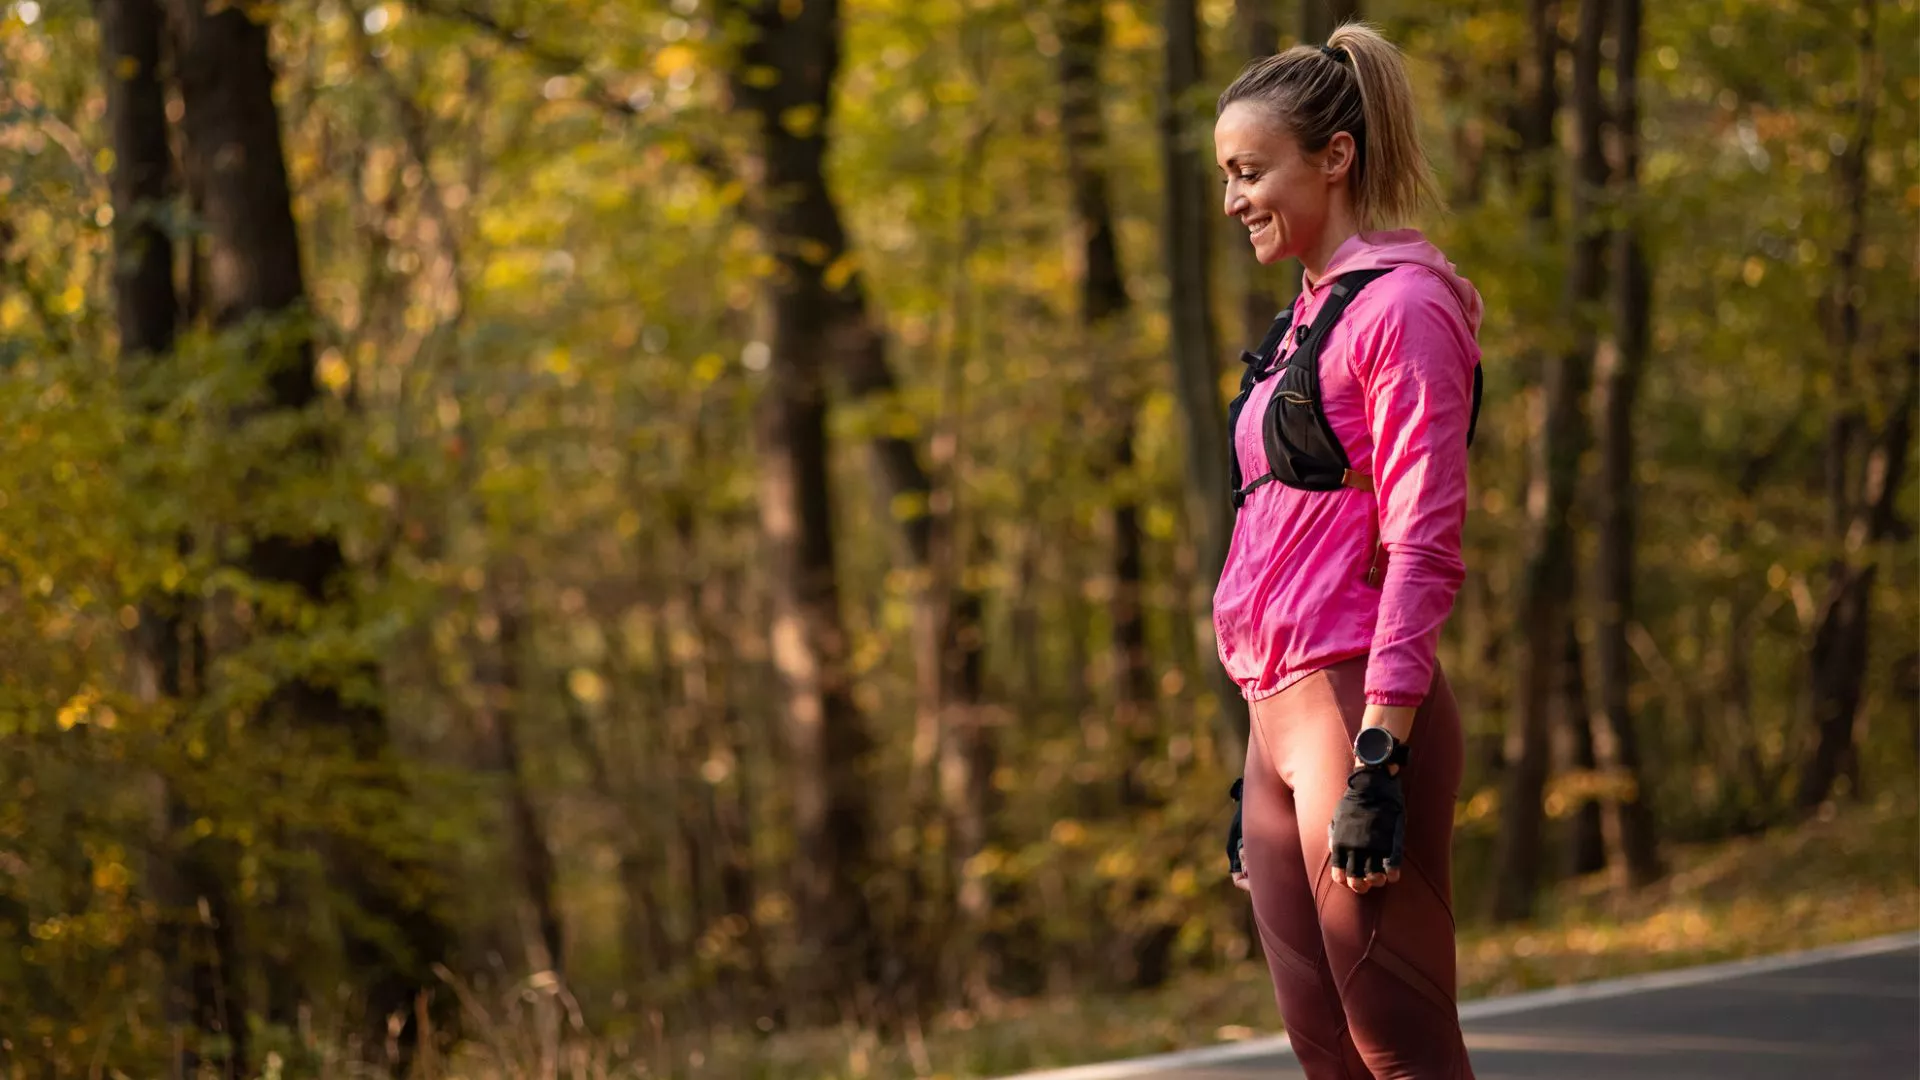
point(1340, 228)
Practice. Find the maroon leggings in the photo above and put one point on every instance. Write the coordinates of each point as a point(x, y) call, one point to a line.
point(1365, 982)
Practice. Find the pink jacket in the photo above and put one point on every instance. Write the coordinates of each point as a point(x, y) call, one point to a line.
point(1396, 380)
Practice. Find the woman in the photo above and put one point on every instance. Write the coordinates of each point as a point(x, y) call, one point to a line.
point(1345, 561)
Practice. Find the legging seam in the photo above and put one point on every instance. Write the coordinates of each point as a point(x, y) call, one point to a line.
point(1332, 1052)
point(1296, 960)
point(1431, 991)
point(1402, 969)
point(1440, 898)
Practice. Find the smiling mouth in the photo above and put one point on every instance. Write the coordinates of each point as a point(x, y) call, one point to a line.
point(1256, 231)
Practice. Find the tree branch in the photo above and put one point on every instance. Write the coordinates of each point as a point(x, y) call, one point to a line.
point(598, 93)
point(522, 41)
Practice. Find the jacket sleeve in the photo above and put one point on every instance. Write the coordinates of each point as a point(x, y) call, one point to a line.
point(1415, 361)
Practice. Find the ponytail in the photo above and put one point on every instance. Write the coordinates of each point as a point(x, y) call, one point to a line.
point(1355, 83)
point(1394, 181)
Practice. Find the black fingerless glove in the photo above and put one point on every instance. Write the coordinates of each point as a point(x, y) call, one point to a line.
point(1234, 840)
point(1369, 823)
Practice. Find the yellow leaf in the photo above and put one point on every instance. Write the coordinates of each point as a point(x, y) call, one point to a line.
point(1184, 882)
point(902, 425)
point(674, 59)
point(110, 876)
point(812, 251)
point(908, 506)
point(505, 273)
point(334, 373)
point(78, 709)
point(841, 271)
point(587, 686)
point(801, 121)
point(761, 77)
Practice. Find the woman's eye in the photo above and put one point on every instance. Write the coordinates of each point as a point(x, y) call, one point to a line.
point(1248, 178)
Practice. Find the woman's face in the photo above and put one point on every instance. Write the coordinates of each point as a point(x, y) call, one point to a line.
point(1280, 194)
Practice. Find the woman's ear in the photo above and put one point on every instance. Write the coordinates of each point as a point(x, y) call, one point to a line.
point(1338, 159)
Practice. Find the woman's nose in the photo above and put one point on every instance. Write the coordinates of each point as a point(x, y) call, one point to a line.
point(1233, 202)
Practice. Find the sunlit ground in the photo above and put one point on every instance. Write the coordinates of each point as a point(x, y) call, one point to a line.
point(1848, 877)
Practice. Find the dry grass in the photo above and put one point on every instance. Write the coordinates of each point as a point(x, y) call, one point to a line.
point(1851, 875)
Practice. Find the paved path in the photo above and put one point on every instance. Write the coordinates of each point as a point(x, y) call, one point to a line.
point(1841, 1013)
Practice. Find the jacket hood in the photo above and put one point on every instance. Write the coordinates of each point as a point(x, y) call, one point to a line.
point(1400, 247)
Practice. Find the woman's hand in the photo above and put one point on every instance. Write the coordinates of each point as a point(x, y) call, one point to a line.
point(1368, 830)
point(1237, 842)
point(1374, 868)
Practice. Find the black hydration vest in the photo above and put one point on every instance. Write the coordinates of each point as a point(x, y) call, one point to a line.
point(1302, 450)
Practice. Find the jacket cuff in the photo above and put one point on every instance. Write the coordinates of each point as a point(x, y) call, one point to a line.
point(1395, 697)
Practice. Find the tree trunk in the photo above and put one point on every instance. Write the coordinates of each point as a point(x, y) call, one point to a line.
point(826, 734)
point(1103, 304)
point(1587, 851)
point(1559, 441)
point(1461, 74)
point(1837, 659)
point(1859, 513)
point(1538, 105)
point(804, 49)
point(498, 676)
point(195, 934)
point(233, 152)
point(646, 949)
point(1629, 824)
point(1103, 288)
point(1195, 351)
point(1525, 750)
point(1259, 23)
point(715, 823)
point(145, 307)
point(949, 628)
point(1319, 18)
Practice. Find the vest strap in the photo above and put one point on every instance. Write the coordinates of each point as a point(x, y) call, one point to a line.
point(1240, 494)
point(1358, 481)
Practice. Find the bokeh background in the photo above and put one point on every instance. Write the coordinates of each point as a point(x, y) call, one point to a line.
point(674, 537)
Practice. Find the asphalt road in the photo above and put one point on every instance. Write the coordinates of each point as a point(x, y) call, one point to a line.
point(1833, 1014)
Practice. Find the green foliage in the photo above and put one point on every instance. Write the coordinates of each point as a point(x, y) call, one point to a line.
point(532, 296)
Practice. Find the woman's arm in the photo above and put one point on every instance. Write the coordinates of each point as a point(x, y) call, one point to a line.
point(1416, 363)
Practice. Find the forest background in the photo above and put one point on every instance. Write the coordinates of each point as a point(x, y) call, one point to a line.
point(639, 524)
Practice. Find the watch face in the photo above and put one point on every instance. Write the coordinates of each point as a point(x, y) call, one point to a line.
point(1373, 745)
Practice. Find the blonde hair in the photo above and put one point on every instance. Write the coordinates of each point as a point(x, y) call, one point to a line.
point(1356, 83)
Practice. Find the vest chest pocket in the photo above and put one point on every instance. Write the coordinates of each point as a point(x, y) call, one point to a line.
point(1301, 448)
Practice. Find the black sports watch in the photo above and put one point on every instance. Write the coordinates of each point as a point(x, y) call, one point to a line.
point(1376, 746)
